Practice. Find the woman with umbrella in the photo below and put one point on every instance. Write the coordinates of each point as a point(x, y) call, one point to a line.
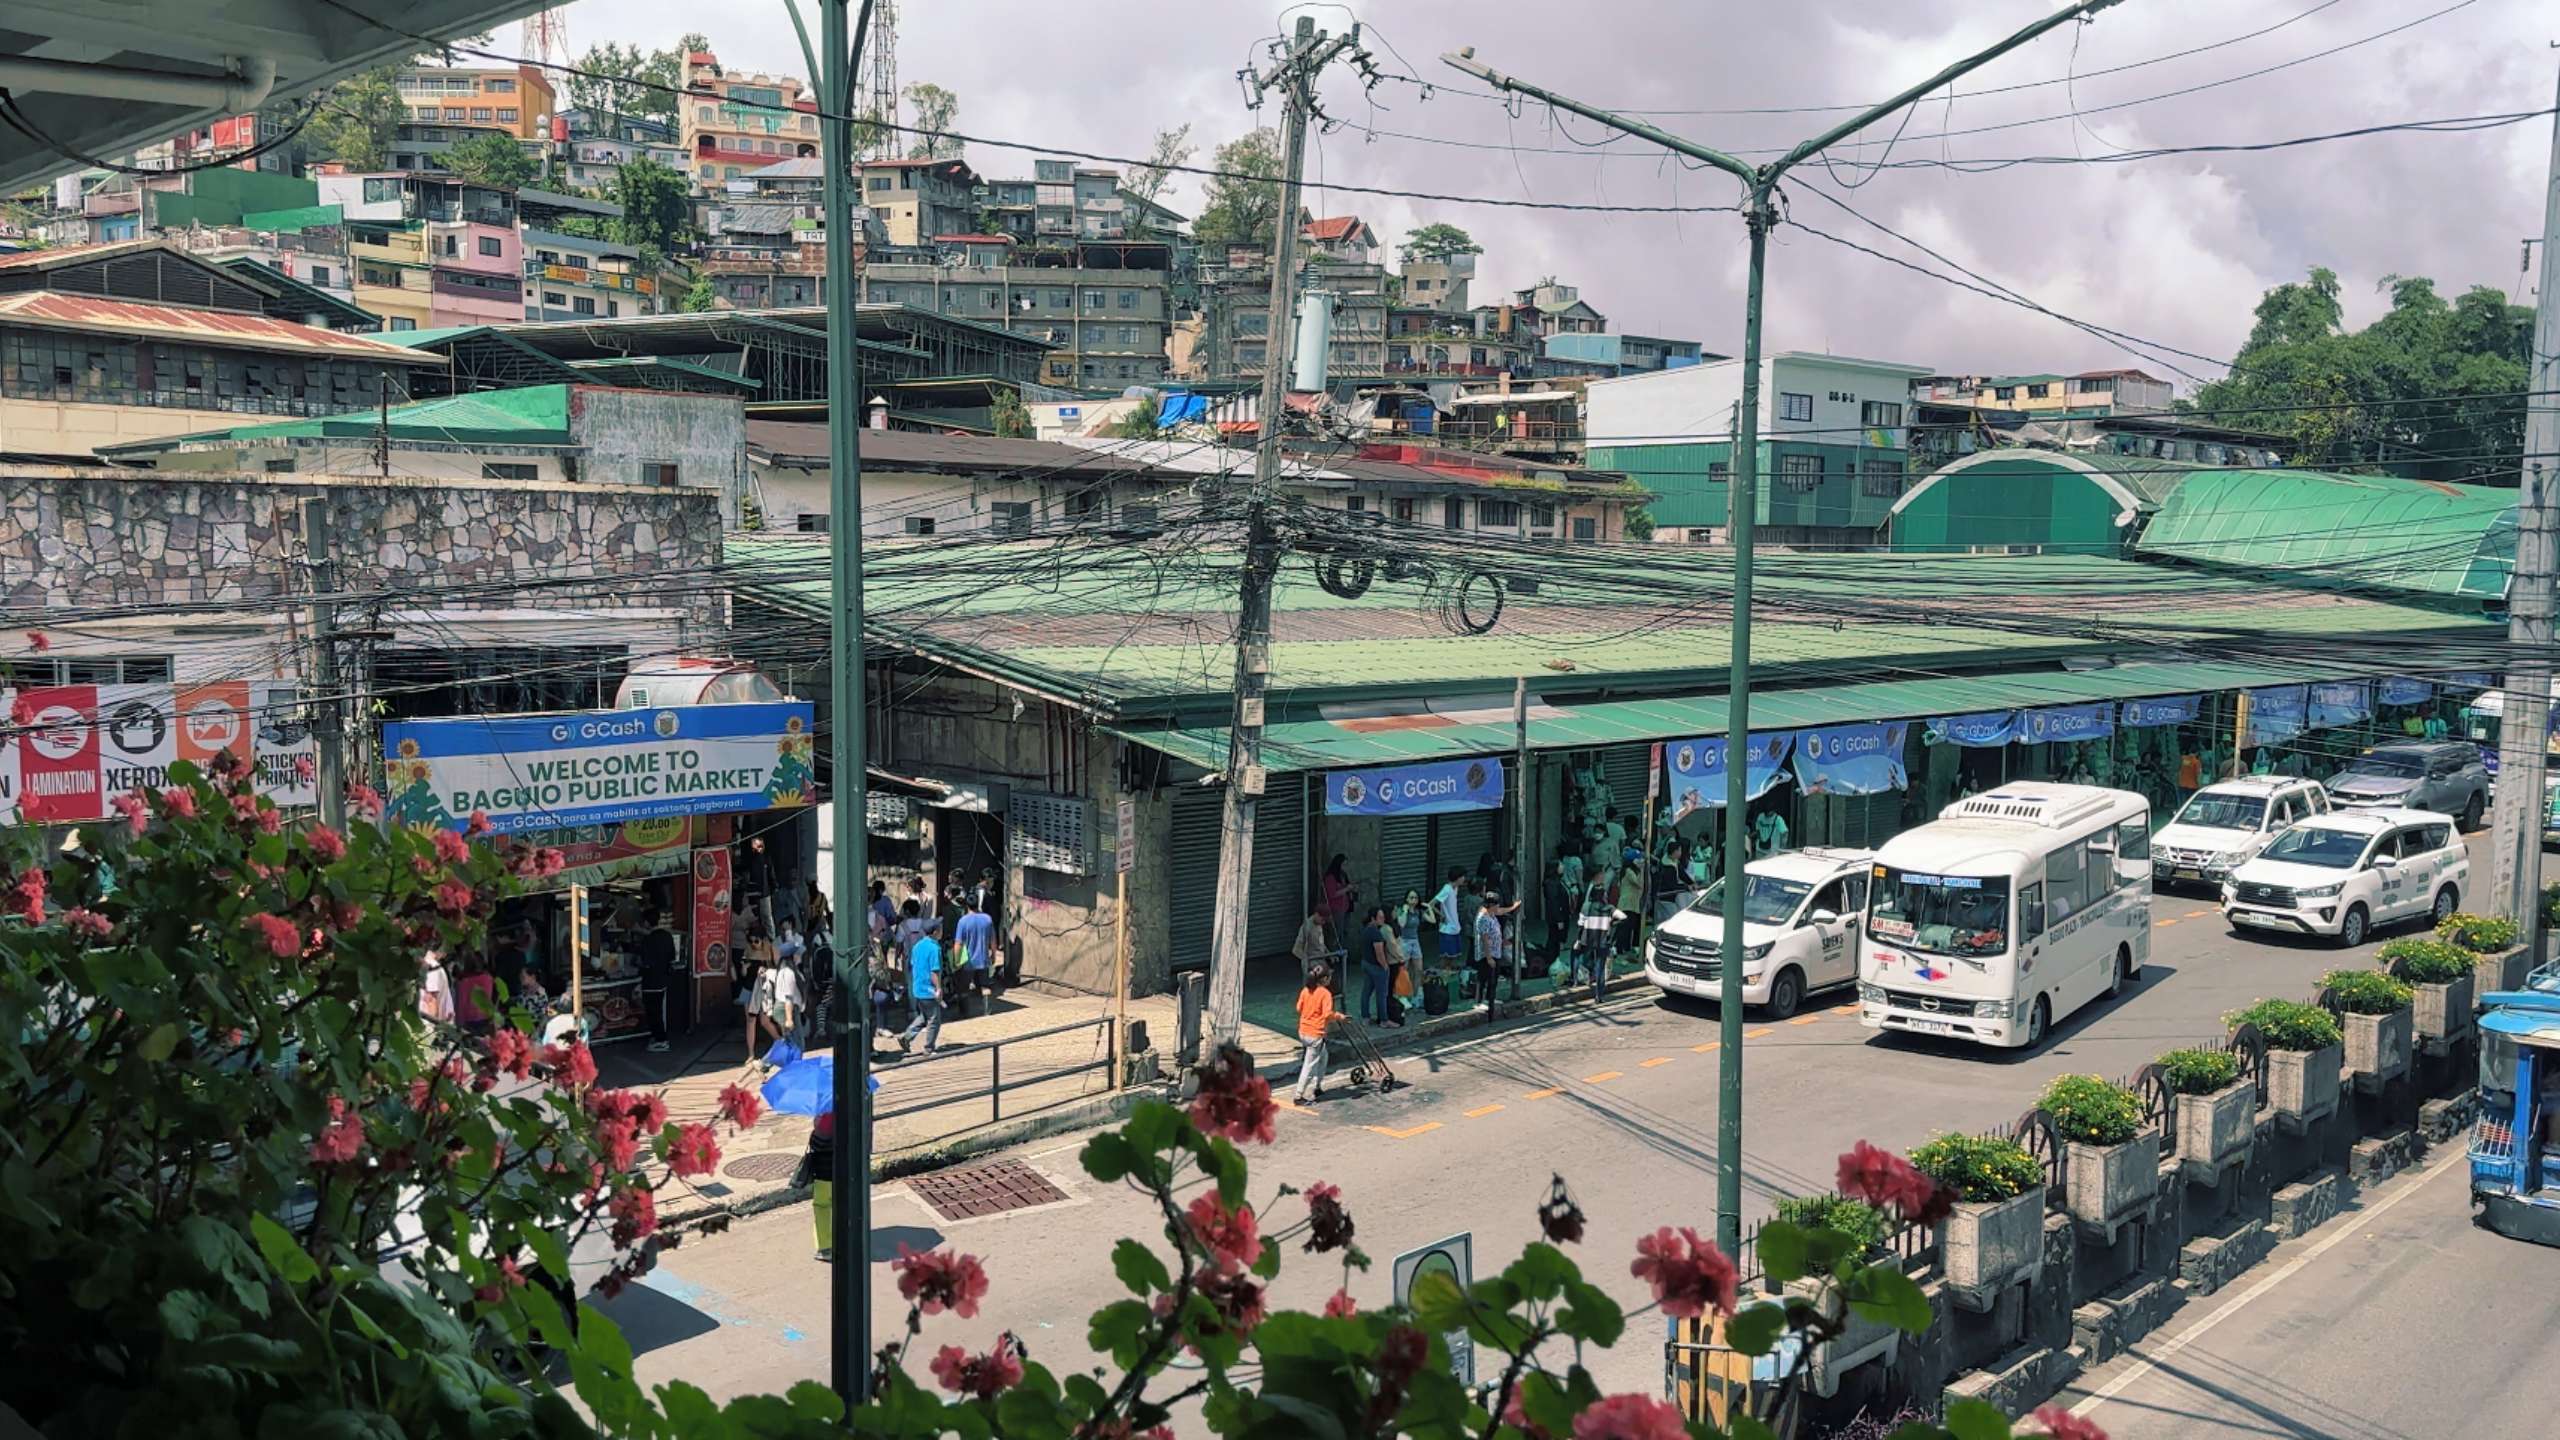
point(807, 1086)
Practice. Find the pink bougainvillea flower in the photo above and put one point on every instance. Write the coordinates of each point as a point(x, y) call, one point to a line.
point(1629, 1417)
point(135, 807)
point(180, 801)
point(81, 920)
point(342, 1139)
point(980, 1377)
point(550, 862)
point(1234, 1100)
point(635, 1214)
point(303, 769)
point(1689, 1275)
point(453, 897)
point(693, 1152)
point(1231, 1237)
point(1340, 1306)
point(1329, 1225)
point(619, 1139)
point(2061, 1424)
point(366, 800)
point(22, 711)
point(478, 824)
point(26, 896)
point(277, 934)
point(572, 1065)
point(511, 1051)
point(740, 1106)
point(939, 1280)
point(326, 843)
point(244, 806)
point(452, 849)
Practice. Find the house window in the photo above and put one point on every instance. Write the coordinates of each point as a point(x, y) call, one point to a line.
point(1542, 517)
point(659, 472)
point(280, 467)
point(1403, 511)
point(453, 112)
point(919, 525)
point(1061, 300)
point(1884, 413)
point(881, 182)
point(1140, 516)
point(1356, 504)
point(810, 523)
point(1800, 472)
point(497, 470)
point(993, 299)
point(2004, 392)
point(1094, 299)
point(702, 113)
point(507, 115)
point(1453, 514)
point(320, 275)
point(403, 322)
point(2096, 387)
point(1497, 515)
point(1881, 477)
point(481, 114)
point(489, 245)
point(583, 305)
point(497, 86)
point(1088, 504)
point(1792, 406)
point(2038, 391)
point(1128, 334)
point(612, 308)
point(1719, 472)
point(554, 298)
point(1011, 517)
point(1128, 299)
point(1585, 528)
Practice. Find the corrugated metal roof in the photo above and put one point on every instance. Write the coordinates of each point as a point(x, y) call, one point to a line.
point(54, 255)
point(54, 310)
point(533, 415)
point(2362, 530)
point(791, 442)
point(758, 219)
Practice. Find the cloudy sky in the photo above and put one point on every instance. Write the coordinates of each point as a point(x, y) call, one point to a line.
point(2175, 249)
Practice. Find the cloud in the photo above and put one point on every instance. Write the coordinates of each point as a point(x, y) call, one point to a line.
point(2175, 249)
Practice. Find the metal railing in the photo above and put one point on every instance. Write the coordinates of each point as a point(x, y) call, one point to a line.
point(992, 1051)
point(1515, 432)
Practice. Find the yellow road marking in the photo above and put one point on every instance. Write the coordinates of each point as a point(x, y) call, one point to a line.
point(1756, 1034)
point(1656, 1060)
point(2162, 924)
point(1703, 1049)
point(1482, 1111)
point(1425, 1128)
point(1603, 1076)
point(1805, 1019)
point(1543, 1094)
point(2192, 914)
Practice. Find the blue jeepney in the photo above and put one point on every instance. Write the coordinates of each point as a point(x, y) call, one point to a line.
point(2515, 1147)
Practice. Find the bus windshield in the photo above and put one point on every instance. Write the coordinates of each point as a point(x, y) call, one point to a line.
point(2224, 812)
point(1943, 914)
point(2318, 845)
point(1766, 899)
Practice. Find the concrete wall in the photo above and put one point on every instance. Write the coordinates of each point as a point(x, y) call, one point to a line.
point(703, 436)
point(356, 459)
point(953, 503)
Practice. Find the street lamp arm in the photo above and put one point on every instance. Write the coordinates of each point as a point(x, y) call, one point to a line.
point(1465, 60)
point(1852, 126)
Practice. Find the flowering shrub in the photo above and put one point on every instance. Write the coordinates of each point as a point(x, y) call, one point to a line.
point(2091, 1110)
point(2366, 992)
point(2289, 1024)
point(2484, 934)
point(1979, 1168)
point(2198, 1070)
point(2424, 960)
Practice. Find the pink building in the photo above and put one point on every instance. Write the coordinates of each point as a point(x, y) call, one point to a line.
point(479, 273)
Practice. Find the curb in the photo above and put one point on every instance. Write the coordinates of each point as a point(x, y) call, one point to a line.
point(1415, 1038)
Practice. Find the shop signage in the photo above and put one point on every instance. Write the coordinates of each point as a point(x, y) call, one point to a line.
point(593, 854)
point(2160, 710)
point(2278, 713)
point(2401, 690)
point(86, 744)
point(2341, 702)
point(1125, 835)
point(1982, 730)
point(1416, 789)
point(1452, 1260)
point(710, 914)
point(2066, 723)
point(598, 767)
point(1698, 770)
point(2469, 680)
point(1851, 759)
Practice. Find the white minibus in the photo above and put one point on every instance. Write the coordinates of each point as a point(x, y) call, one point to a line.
point(2008, 912)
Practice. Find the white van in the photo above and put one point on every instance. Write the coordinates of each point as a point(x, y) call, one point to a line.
point(2008, 912)
point(2341, 874)
point(1800, 909)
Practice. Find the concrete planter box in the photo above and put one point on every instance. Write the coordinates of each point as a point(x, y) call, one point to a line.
point(2377, 1047)
point(2106, 1185)
point(1863, 1342)
point(2443, 1014)
point(2503, 970)
point(1989, 1247)
point(2303, 1084)
point(2214, 1130)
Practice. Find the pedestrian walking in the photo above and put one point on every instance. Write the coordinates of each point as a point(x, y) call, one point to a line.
point(1595, 922)
point(657, 976)
point(1489, 942)
point(1315, 940)
point(1631, 878)
point(775, 1002)
point(1317, 1013)
point(1453, 935)
point(972, 938)
point(924, 988)
point(1377, 969)
point(435, 990)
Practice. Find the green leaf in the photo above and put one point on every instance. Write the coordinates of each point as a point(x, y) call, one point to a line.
point(227, 1257)
point(1311, 1418)
point(160, 1044)
point(1975, 1420)
point(1140, 1270)
point(1782, 1251)
point(1116, 1329)
point(1883, 1293)
point(1747, 1427)
point(1152, 1126)
point(184, 1313)
point(1825, 1248)
point(689, 1411)
point(1542, 1272)
point(1108, 1157)
point(1590, 1316)
point(1222, 1159)
point(1085, 1394)
point(1267, 1264)
point(292, 1263)
point(1437, 1303)
point(1546, 1404)
point(1755, 1330)
point(548, 1249)
point(815, 1401)
point(366, 1327)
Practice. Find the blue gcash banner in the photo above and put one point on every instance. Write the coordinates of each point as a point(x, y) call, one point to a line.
point(2469, 680)
point(2160, 710)
point(2340, 702)
point(598, 767)
point(2066, 722)
point(2401, 690)
point(1851, 759)
point(1697, 769)
point(1416, 789)
point(1980, 731)
point(2278, 713)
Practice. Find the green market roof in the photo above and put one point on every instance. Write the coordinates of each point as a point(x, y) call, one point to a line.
point(1137, 633)
point(535, 416)
point(295, 220)
point(2450, 541)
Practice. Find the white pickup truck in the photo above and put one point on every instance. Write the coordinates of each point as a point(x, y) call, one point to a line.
point(1800, 915)
point(2224, 825)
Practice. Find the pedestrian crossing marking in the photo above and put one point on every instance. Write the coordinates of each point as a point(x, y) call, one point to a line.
point(1482, 1111)
point(1603, 1076)
point(1425, 1128)
point(1543, 1094)
point(1656, 1060)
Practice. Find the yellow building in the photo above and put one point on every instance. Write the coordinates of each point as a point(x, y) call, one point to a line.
point(393, 277)
point(754, 121)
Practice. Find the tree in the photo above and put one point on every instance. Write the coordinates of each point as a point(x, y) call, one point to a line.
point(2430, 389)
point(359, 121)
point(700, 296)
point(657, 206)
point(1639, 523)
point(1010, 419)
point(1146, 182)
point(1141, 423)
point(491, 159)
point(1439, 241)
point(931, 110)
point(628, 80)
point(1242, 210)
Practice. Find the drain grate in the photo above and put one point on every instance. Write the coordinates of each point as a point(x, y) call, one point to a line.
point(768, 1166)
point(990, 1189)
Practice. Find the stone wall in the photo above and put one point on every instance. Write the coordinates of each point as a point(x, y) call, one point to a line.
point(84, 537)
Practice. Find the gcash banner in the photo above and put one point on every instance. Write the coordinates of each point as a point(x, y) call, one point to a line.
point(1416, 789)
point(598, 767)
point(85, 744)
point(1697, 770)
point(1851, 759)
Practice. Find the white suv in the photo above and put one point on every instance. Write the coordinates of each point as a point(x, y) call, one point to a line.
point(2341, 874)
point(1800, 915)
point(2224, 825)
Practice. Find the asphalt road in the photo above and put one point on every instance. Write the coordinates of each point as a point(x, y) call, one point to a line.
point(1619, 1100)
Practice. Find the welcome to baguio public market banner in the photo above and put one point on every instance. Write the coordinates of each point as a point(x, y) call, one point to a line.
point(2066, 722)
point(2159, 710)
point(1416, 789)
point(598, 767)
point(2278, 713)
point(86, 744)
point(1980, 731)
point(2340, 702)
point(1851, 759)
point(2401, 690)
point(1698, 770)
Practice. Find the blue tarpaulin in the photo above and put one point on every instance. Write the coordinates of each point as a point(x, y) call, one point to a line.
point(2066, 722)
point(2164, 710)
point(1980, 731)
point(1698, 771)
point(1851, 759)
point(1439, 789)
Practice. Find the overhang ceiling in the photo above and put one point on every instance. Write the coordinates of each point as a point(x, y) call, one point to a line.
point(310, 43)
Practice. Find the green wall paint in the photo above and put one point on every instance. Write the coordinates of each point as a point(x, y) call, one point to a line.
point(1678, 474)
point(2027, 501)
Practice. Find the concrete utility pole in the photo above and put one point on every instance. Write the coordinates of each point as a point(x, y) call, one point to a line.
point(2525, 718)
point(1293, 75)
point(329, 722)
point(1759, 214)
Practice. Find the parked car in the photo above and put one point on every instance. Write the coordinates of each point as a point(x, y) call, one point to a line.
point(2224, 825)
point(2343, 873)
point(2445, 776)
point(1800, 915)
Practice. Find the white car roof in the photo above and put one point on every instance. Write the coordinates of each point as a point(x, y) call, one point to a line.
point(1816, 864)
point(2372, 822)
point(2260, 785)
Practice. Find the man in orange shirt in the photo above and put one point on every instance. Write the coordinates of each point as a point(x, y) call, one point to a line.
point(1316, 1014)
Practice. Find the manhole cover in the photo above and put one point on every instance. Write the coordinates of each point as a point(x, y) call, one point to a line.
point(989, 1189)
point(768, 1166)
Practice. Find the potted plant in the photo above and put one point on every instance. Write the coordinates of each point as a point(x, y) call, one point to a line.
point(2114, 1166)
point(2499, 961)
point(1862, 1340)
point(2304, 1051)
point(1994, 1236)
point(2441, 974)
point(2217, 1109)
point(2374, 1010)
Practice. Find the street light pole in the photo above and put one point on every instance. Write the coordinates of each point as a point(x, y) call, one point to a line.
point(1759, 213)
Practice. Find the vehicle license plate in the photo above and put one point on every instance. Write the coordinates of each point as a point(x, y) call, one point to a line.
point(1930, 1027)
point(2252, 917)
point(2183, 873)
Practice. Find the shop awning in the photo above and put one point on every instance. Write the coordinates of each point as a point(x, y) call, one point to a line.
point(1327, 744)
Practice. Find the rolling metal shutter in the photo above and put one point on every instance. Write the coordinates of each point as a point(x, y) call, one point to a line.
point(1625, 768)
point(1463, 839)
point(1193, 856)
point(1273, 900)
point(1404, 857)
